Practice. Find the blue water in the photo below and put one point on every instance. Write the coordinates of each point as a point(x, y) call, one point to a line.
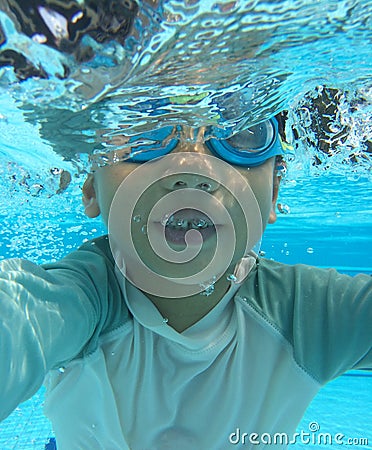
point(329, 224)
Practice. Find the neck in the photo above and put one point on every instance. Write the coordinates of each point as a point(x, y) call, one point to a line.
point(181, 313)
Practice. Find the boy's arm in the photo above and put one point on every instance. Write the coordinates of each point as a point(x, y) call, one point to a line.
point(46, 318)
point(324, 315)
point(337, 317)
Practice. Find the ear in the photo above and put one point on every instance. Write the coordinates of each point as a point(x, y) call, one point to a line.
point(272, 216)
point(90, 198)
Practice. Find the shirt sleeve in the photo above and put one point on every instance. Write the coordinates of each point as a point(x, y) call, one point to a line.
point(324, 315)
point(48, 316)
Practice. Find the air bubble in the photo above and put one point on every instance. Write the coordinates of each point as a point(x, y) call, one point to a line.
point(334, 128)
point(76, 17)
point(165, 320)
point(231, 278)
point(144, 229)
point(35, 189)
point(199, 223)
point(137, 218)
point(310, 250)
point(283, 208)
point(208, 287)
point(115, 158)
point(165, 219)
point(39, 38)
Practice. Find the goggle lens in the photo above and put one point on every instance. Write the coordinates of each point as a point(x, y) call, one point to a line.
point(253, 139)
point(248, 148)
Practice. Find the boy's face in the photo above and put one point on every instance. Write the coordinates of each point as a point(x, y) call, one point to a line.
point(195, 191)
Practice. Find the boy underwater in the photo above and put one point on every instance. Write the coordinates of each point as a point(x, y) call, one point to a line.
point(171, 332)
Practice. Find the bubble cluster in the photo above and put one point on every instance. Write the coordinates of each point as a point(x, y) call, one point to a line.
point(331, 132)
point(41, 227)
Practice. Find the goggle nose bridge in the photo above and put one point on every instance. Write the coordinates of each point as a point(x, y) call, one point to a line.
point(188, 134)
point(166, 139)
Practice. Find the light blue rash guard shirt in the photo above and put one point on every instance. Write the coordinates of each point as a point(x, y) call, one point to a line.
point(130, 381)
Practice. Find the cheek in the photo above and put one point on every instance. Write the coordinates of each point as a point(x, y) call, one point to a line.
point(264, 199)
point(107, 183)
point(105, 198)
point(260, 180)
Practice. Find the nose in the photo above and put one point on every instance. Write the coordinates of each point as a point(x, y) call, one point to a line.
point(189, 181)
point(191, 165)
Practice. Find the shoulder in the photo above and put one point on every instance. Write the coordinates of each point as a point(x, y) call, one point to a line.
point(98, 245)
point(93, 256)
point(92, 267)
point(271, 281)
point(323, 314)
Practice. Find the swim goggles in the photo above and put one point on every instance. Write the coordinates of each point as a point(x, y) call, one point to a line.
point(248, 148)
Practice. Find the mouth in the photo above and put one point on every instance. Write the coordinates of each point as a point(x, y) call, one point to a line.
point(178, 224)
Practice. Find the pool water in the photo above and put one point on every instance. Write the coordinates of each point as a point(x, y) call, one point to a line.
point(74, 96)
